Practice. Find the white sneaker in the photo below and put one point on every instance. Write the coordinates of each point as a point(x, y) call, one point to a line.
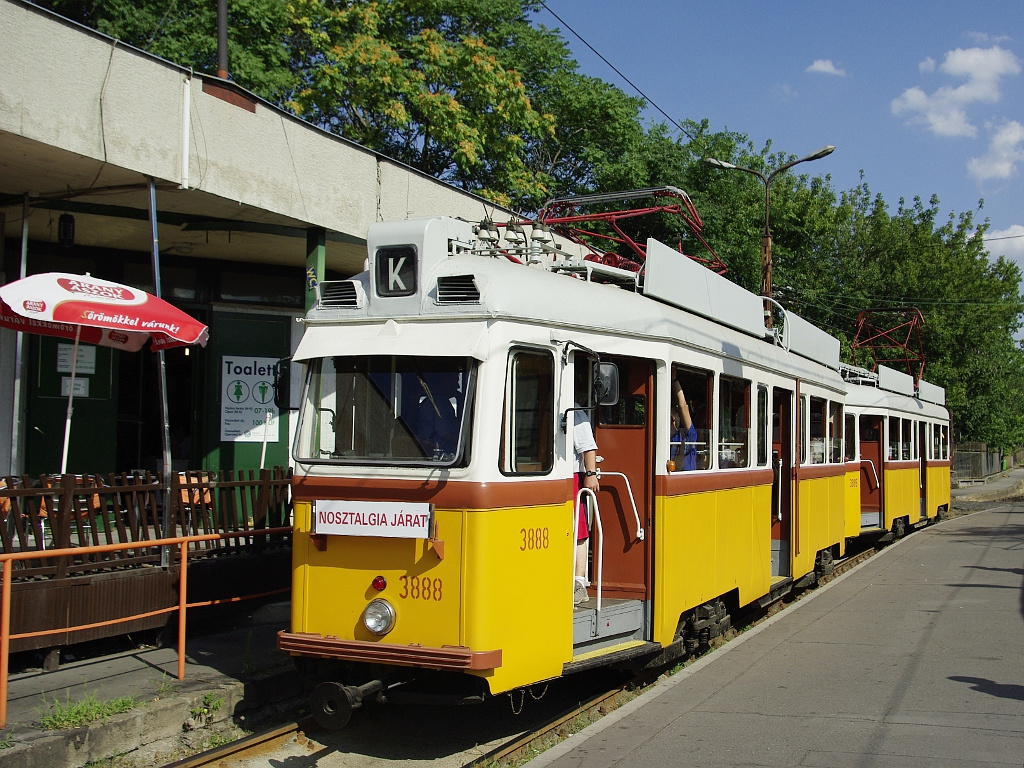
point(579, 594)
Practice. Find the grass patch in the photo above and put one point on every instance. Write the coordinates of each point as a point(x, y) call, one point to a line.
point(207, 708)
point(167, 687)
point(72, 714)
point(7, 741)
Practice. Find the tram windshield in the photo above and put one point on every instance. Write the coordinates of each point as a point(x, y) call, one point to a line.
point(386, 410)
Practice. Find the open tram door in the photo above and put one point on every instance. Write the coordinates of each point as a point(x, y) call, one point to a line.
point(618, 611)
point(782, 485)
point(872, 448)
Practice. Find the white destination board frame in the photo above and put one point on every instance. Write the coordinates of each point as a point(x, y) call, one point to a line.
point(387, 519)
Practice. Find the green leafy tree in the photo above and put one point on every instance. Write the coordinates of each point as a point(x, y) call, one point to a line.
point(418, 81)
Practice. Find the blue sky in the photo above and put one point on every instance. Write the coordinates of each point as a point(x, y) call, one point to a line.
point(923, 97)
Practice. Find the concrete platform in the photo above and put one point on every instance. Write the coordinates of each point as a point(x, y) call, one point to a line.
point(912, 659)
point(234, 677)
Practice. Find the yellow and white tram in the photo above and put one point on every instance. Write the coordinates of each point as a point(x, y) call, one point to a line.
point(898, 442)
point(433, 490)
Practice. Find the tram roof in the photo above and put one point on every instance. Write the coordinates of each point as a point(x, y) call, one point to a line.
point(464, 291)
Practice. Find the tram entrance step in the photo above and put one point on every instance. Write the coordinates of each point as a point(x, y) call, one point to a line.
point(617, 621)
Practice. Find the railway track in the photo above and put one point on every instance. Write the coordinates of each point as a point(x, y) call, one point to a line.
point(303, 737)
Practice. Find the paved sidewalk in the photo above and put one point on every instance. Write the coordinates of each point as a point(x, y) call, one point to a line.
point(916, 658)
point(999, 486)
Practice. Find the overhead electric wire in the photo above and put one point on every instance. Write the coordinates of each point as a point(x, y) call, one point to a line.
point(615, 69)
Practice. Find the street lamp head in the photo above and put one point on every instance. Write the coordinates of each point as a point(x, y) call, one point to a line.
point(823, 152)
point(716, 163)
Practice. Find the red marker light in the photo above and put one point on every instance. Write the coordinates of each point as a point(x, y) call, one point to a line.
point(378, 583)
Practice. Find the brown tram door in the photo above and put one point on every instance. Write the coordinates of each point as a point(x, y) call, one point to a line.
point(782, 466)
point(625, 440)
point(872, 450)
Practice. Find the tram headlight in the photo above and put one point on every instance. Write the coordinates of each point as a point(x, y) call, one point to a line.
point(379, 616)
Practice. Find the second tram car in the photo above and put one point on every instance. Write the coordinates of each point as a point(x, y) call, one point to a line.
point(433, 489)
point(897, 436)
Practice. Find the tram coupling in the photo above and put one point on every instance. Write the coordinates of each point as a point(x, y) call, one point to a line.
point(333, 703)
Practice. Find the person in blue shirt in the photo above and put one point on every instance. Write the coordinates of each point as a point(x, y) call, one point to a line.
point(684, 434)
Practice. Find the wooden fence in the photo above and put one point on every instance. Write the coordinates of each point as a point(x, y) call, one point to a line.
point(82, 511)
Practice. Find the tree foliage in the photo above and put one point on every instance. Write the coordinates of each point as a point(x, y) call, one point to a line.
point(476, 93)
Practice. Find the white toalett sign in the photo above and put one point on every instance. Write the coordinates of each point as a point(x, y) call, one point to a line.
point(391, 519)
point(246, 397)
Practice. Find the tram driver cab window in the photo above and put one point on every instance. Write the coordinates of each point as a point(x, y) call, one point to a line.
point(690, 395)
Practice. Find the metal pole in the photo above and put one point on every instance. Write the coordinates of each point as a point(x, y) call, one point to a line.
point(766, 255)
point(19, 352)
point(165, 555)
point(71, 403)
point(222, 39)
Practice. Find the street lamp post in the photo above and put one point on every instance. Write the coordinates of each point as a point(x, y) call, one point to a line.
point(766, 236)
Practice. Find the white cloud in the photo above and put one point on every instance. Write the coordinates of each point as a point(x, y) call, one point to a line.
point(1007, 242)
point(1005, 152)
point(826, 67)
point(945, 110)
point(927, 66)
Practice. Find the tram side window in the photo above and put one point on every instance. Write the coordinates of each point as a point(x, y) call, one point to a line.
point(945, 441)
point(850, 438)
point(817, 424)
point(527, 433)
point(733, 422)
point(803, 429)
point(762, 426)
point(690, 449)
point(835, 432)
point(907, 442)
point(894, 438)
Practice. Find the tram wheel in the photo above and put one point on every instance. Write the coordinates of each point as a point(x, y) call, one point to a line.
point(899, 528)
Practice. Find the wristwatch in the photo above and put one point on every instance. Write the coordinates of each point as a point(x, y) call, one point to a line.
point(590, 473)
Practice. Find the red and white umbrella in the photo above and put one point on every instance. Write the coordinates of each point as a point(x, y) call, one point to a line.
point(86, 308)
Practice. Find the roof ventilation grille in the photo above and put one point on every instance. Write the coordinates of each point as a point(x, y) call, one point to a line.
point(457, 289)
point(338, 293)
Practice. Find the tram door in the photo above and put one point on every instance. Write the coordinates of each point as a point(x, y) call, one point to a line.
point(624, 435)
point(782, 465)
point(871, 452)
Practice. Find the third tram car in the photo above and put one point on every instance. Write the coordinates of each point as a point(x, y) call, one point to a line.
point(435, 508)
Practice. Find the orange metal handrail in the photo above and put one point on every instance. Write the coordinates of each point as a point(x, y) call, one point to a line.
point(7, 560)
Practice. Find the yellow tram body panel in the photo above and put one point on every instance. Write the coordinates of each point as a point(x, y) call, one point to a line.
point(708, 544)
point(937, 487)
point(515, 597)
point(491, 590)
point(851, 495)
point(331, 588)
point(822, 520)
point(902, 489)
